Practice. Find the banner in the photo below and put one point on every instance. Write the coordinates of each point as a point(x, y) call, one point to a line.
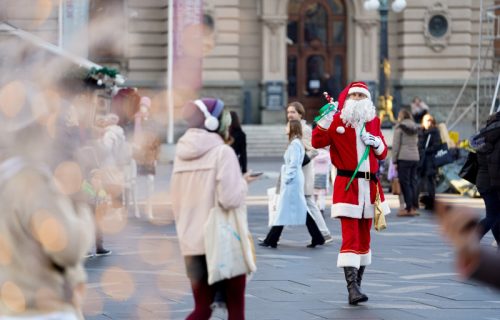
point(188, 43)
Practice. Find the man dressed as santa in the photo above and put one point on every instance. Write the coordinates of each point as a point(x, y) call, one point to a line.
point(349, 131)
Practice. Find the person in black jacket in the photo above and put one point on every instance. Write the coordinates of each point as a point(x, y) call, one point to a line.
point(487, 145)
point(239, 141)
point(429, 141)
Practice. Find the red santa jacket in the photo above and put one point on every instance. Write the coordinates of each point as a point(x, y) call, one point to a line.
point(346, 149)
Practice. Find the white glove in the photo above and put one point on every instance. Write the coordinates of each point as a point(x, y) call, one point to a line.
point(370, 140)
point(327, 120)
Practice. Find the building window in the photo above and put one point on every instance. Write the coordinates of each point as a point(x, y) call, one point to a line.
point(108, 31)
point(438, 26)
point(437, 22)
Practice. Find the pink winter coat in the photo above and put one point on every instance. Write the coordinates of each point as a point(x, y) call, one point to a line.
point(204, 168)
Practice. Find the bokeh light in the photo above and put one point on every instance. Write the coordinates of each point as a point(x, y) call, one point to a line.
point(93, 304)
point(12, 297)
point(110, 220)
point(154, 250)
point(68, 177)
point(153, 308)
point(117, 283)
point(12, 98)
point(42, 10)
point(5, 252)
point(49, 231)
point(163, 214)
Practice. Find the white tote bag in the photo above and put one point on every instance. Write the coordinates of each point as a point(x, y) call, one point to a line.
point(228, 244)
point(272, 205)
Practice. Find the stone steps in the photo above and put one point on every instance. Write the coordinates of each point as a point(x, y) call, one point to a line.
point(265, 140)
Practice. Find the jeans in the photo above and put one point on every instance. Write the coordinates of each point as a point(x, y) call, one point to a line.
point(407, 173)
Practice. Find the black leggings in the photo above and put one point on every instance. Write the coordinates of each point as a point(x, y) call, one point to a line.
point(274, 234)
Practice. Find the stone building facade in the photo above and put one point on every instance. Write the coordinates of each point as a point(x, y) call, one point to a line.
point(267, 52)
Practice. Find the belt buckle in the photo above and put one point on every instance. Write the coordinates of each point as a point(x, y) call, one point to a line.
point(367, 175)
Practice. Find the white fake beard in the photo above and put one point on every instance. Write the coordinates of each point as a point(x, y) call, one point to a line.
point(356, 112)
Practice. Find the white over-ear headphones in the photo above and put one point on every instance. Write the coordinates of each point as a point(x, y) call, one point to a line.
point(211, 123)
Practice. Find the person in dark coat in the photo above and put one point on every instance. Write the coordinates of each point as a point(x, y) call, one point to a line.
point(239, 141)
point(429, 142)
point(487, 145)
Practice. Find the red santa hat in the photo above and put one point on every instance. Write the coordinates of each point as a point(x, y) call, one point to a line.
point(359, 87)
point(353, 87)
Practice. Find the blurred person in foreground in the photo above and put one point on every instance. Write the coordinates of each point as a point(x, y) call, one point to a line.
point(405, 158)
point(40, 226)
point(487, 145)
point(460, 226)
point(238, 141)
point(356, 146)
point(205, 169)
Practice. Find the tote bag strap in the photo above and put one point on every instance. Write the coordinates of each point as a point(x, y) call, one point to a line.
point(428, 140)
point(217, 157)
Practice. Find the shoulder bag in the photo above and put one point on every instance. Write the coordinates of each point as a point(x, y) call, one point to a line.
point(229, 248)
point(442, 156)
point(379, 221)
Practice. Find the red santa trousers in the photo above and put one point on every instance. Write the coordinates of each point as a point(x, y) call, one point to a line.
point(355, 250)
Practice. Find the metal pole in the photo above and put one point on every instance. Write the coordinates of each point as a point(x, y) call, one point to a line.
point(170, 73)
point(495, 95)
point(60, 22)
point(384, 50)
point(479, 64)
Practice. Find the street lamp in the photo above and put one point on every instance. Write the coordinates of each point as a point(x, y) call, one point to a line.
point(384, 98)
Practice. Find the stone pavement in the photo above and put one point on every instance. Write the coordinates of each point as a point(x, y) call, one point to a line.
point(412, 275)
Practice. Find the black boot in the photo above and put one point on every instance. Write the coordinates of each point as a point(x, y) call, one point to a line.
point(361, 270)
point(351, 277)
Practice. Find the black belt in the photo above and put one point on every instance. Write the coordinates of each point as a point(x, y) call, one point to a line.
point(360, 174)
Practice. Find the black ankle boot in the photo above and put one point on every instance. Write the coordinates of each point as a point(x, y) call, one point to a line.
point(361, 270)
point(351, 277)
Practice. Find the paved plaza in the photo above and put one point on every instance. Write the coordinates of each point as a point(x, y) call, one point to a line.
point(411, 277)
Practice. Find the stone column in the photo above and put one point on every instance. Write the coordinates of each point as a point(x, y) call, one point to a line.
point(274, 15)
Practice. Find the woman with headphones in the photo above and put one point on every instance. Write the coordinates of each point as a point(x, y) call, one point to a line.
point(206, 167)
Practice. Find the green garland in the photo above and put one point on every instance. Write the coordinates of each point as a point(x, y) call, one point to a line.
point(110, 72)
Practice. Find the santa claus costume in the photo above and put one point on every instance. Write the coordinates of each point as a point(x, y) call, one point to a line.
point(348, 132)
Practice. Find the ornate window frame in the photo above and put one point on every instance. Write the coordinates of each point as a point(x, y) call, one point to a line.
point(437, 43)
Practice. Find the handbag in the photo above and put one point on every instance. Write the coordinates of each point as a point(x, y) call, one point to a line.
point(379, 222)
point(470, 168)
point(395, 186)
point(228, 244)
point(442, 156)
point(306, 160)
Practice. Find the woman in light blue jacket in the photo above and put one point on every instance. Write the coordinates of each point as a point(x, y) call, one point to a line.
point(292, 208)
